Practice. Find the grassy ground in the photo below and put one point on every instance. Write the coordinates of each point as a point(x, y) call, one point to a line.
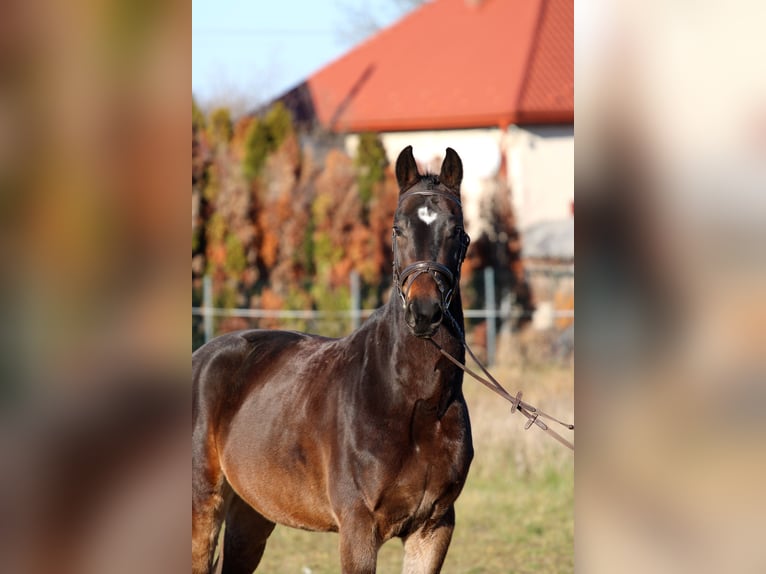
point(516, 511)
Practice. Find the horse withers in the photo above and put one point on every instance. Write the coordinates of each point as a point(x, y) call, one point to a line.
point(367, 435)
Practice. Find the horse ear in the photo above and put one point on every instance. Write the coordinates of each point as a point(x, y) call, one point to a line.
point(452, 170)
point(407, 173)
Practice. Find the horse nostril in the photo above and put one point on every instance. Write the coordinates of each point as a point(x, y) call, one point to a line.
point(436, 318)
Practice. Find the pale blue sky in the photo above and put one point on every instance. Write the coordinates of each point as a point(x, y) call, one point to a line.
point(245, 52)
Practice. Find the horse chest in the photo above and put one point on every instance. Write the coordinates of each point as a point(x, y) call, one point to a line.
point(435, 469)
point(407, 489)
point(440, 452)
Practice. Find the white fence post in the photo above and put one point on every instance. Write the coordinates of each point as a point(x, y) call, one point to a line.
point(207, 306)
point(491, 310)
point(356, 301)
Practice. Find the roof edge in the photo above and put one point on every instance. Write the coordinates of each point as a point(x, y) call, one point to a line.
point(458, 122)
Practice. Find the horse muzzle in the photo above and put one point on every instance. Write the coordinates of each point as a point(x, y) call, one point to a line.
point(423, 316)
point(425, 301)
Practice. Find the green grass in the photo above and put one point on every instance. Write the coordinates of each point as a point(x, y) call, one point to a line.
point(516, 511)
point(514, 526)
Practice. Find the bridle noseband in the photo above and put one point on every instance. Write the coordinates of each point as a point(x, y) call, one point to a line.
point(445, 279)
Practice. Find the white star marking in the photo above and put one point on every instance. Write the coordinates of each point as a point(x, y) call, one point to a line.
point(426, 216)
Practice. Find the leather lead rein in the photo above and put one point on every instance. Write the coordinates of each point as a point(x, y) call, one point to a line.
point(532, 413)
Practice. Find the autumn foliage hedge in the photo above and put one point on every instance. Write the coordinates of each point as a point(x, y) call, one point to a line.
point(280, 225)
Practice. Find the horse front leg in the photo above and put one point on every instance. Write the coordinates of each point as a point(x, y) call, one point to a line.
point(359, 543)
point(426, 547)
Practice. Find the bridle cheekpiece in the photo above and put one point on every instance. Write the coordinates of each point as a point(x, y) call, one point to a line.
point(442, 275)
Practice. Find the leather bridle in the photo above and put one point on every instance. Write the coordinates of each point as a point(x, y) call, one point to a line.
point(444, 277)
point(447, 281)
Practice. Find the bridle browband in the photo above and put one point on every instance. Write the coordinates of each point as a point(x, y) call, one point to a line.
point(445, 279)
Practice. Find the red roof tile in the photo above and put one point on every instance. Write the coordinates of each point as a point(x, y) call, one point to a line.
point(549, 81)
point(455, 64)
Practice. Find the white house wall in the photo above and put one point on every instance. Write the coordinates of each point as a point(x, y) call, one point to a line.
point(479, 150)
point(541, 172)
point(540, 166)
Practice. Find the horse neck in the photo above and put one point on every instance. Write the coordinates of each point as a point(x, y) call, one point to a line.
point(413, 361)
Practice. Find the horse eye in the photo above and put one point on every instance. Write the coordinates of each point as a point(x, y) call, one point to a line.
point(397, 231)
point(457, 232)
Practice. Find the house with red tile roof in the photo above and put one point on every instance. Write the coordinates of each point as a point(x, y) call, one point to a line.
point(494, 79)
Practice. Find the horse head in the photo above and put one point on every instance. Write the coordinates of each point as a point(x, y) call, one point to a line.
point(429, 241)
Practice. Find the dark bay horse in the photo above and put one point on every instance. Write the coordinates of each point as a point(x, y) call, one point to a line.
point(367, 435)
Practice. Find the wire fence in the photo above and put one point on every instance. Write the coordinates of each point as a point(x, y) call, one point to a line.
point(492, 316)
